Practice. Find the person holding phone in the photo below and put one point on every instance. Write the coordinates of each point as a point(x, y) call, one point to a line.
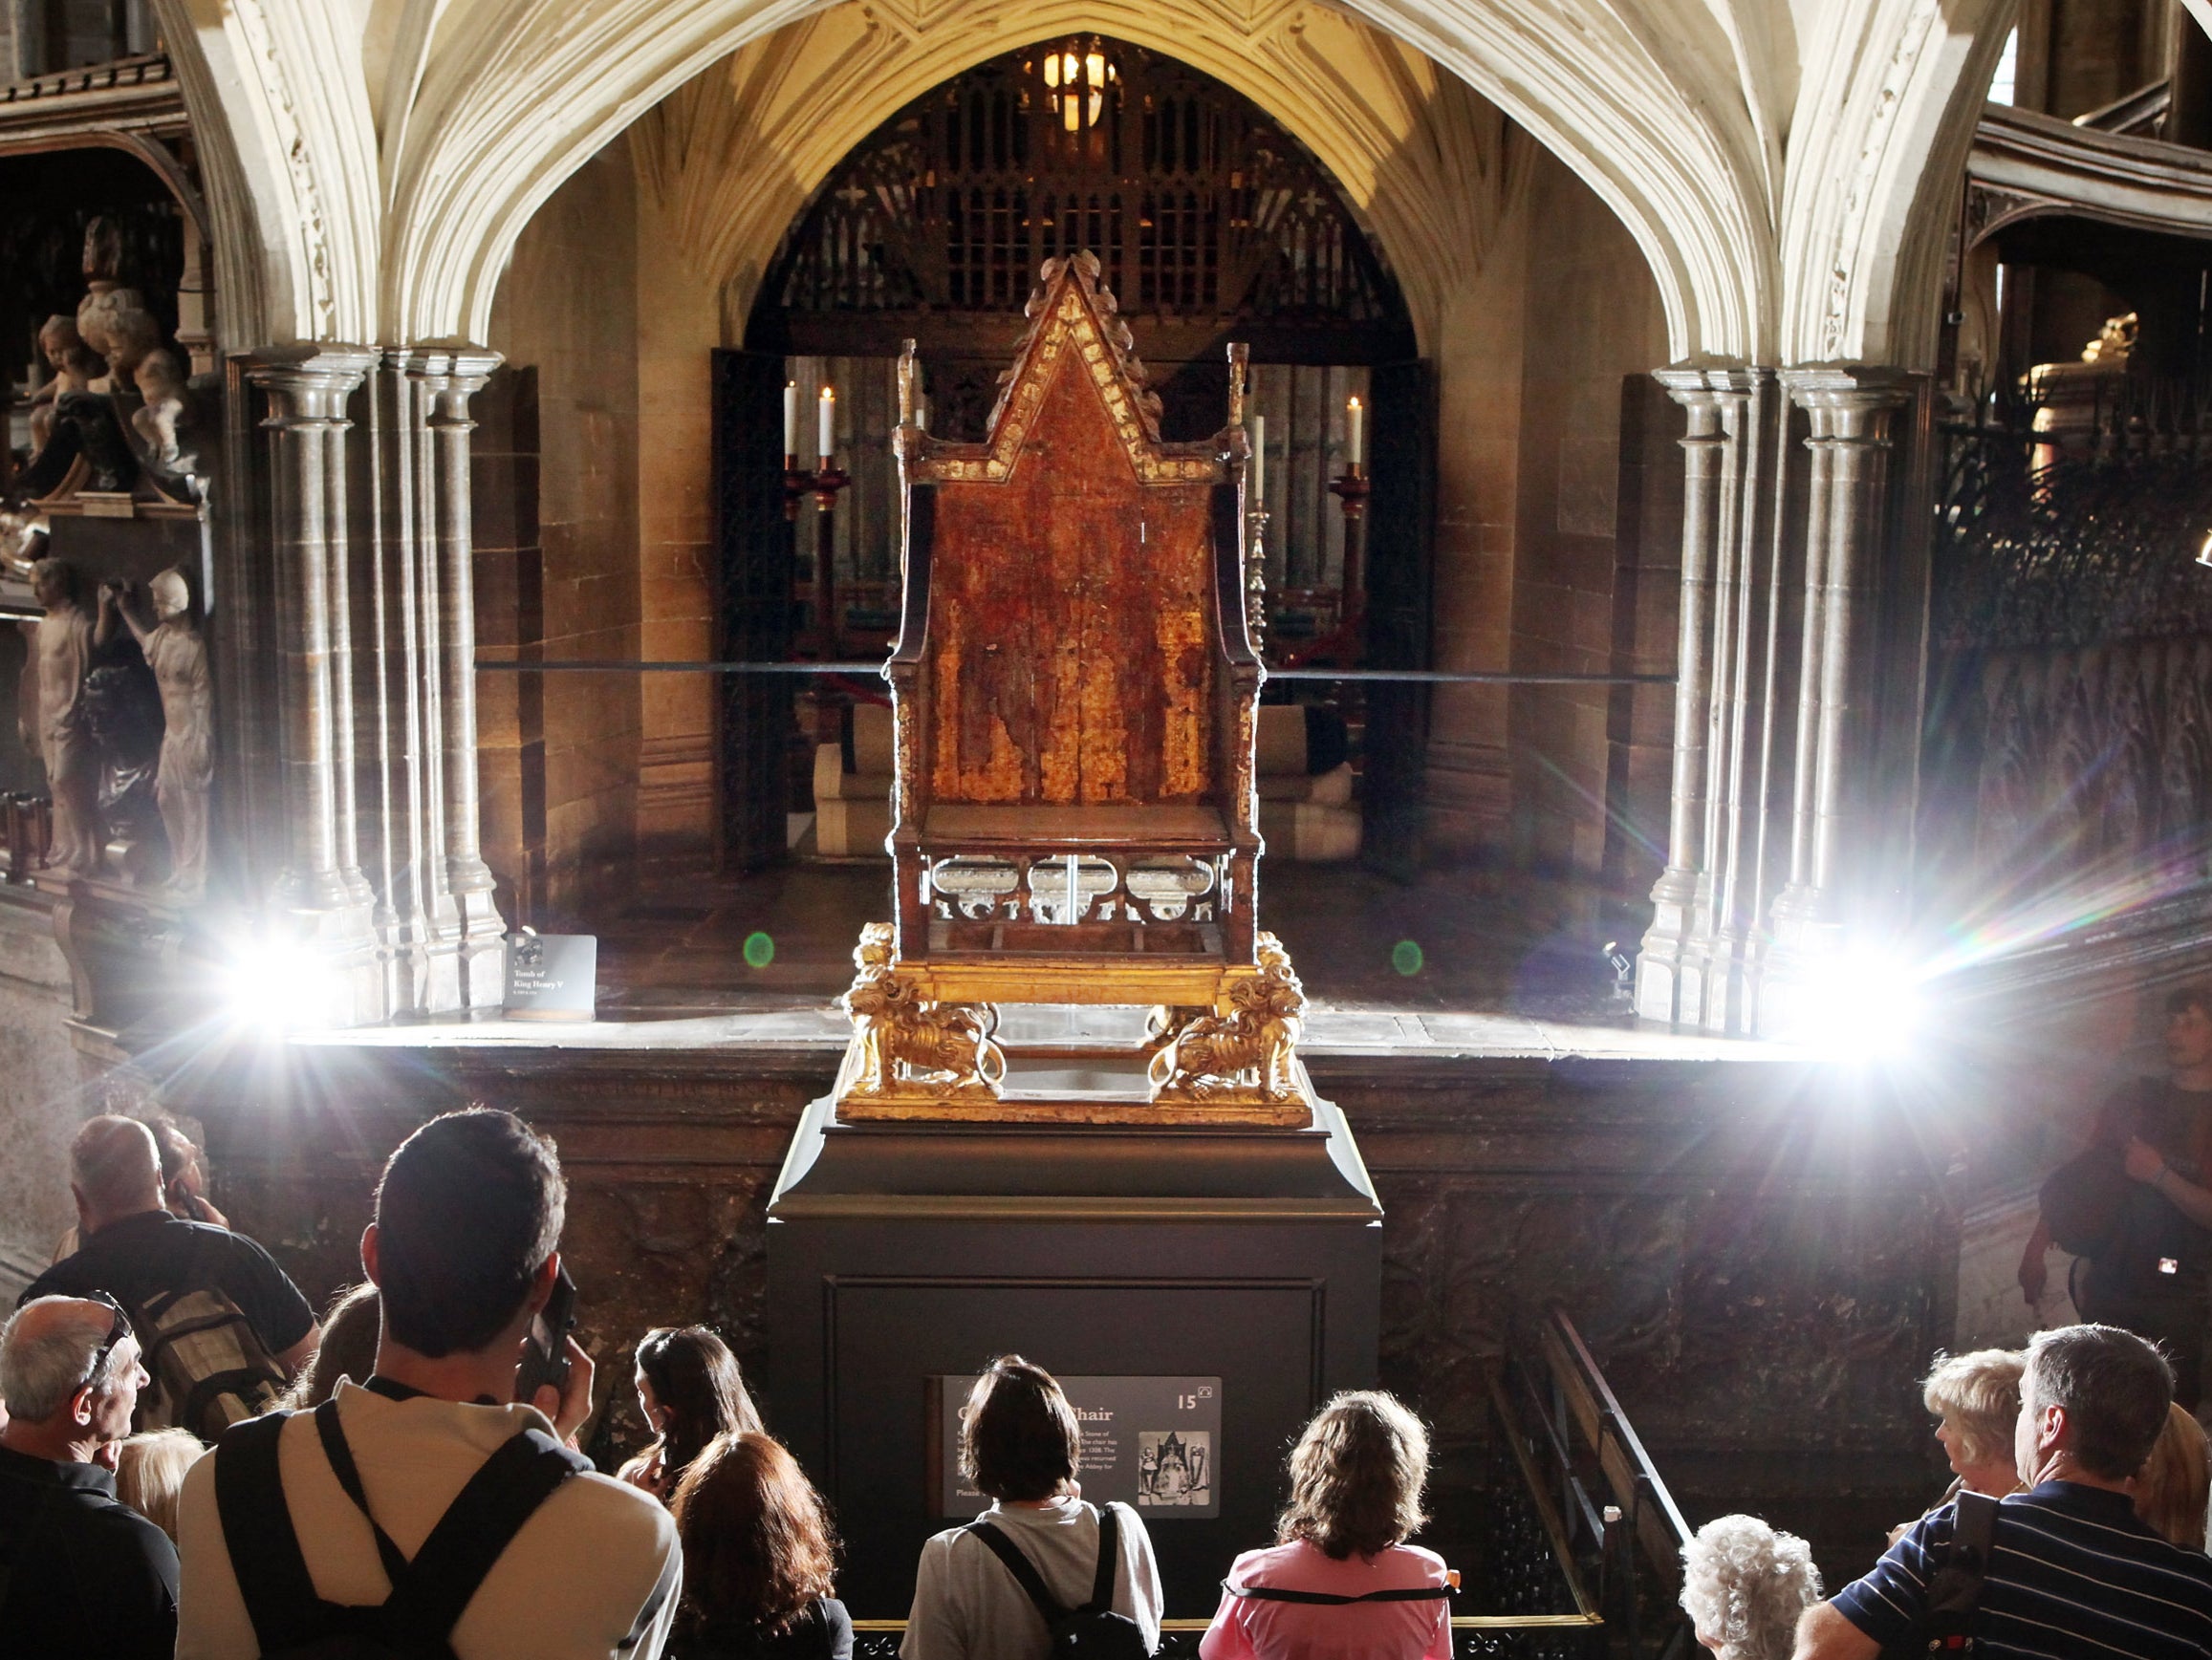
point(690, 1391)
point(549, 1559)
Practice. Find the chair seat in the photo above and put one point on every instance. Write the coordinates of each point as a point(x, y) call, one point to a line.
point(1032, 826)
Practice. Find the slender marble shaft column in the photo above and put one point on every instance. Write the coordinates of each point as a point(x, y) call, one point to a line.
point(1740, 752)
point(320, 886)
point(1847, 512)
point(482, 942)
point(443, 940)
point(1698, 957)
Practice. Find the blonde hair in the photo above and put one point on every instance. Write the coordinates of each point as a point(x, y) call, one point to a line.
point(1978, 1394)
point(150, 1467)
point(2171, 1487)
point(1745, 1585)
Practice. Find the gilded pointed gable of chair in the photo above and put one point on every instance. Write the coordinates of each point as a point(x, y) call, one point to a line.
point(1074, 693)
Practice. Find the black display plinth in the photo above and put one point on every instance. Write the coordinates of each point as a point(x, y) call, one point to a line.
point(899, 1252)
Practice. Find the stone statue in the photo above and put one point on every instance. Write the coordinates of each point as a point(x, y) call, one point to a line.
point(2115, 342)
point(162, 384)
point(74, 366)
point(62, 647)
point(22, 542)
point(116, 323)
point(177, 654)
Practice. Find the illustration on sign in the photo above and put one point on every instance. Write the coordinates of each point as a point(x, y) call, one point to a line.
point(1174, 1468)
point(1148, 1441)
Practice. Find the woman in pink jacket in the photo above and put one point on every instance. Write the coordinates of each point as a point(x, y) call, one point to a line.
point(1342, 1584)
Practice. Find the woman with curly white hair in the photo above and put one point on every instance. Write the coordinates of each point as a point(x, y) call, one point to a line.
point(1744, 1585)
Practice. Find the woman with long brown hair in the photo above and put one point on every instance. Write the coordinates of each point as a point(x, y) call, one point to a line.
point(690, 1391)
point(759, 1558)
point(1340, 1580)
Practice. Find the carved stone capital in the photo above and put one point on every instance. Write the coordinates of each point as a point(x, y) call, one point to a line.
point(308, 387)
point(451, 374)
point(1855, 396)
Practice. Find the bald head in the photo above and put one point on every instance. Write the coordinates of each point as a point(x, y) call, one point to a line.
point(114, 1169)
point(46, 1355)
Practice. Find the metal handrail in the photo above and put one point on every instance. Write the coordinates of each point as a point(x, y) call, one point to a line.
point(1629, 1470)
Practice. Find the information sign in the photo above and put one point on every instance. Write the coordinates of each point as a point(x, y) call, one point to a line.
point(1152, 1442)
point(551, 977)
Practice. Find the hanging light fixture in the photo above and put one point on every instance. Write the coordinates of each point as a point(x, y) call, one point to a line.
point(1075, 81)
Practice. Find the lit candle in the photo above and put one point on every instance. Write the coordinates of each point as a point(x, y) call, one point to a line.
point(1355, 423)
point(826, 445)
point(1259, 461)
point(790, 418)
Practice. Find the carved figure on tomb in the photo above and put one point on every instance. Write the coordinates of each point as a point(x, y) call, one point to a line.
point(62, 651)
point(75, 365)
point(166, 408)
point(22, 542)
point(904, 1047)
point(1250, 1051)
point(2115, 342)
point(116, 323)
point(177, 652)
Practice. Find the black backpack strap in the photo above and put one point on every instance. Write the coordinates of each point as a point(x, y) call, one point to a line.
point(1956, 1587)
point(476, 1529)
point(342, 1466)
point(1333, 1600)
point(1108, 1554)
point(1025, 1571)
point(257, 1532)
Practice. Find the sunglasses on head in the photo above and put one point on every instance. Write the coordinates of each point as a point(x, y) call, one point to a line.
point(117, 1329)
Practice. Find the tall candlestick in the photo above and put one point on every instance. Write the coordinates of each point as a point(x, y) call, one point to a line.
point(826, 445)
point(1355, 422)
point(1259, 461)
point(790, 418)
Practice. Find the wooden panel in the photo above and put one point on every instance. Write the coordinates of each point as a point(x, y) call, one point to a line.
point(1072, 632)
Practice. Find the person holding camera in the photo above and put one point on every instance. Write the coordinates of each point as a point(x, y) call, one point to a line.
point(430, 1508)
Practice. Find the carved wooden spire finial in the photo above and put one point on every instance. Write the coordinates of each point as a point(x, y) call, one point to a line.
point(906, 368)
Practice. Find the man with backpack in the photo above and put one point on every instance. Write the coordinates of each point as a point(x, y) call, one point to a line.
point(428, 1512)
point(222, 1325)
point(2062, 1570)
point(2136, 1206)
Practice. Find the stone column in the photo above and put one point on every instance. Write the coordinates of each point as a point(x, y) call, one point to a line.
point(321, 884)
point(405, 722)
point(1739, 751)
point(442, 938)
point(1851, 410)
point(481, 944)
point(1699, 964)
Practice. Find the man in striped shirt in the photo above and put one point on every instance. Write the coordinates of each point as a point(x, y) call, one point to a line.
point(2071, 1572)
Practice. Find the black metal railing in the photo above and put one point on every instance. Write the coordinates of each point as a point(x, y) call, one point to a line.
point(1611, 1523)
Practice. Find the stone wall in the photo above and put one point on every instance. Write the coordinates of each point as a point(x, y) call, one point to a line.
point(1759, 1259)
point(42, 1091)
point(679, 326)
point(568, 309)
point(1592, 321)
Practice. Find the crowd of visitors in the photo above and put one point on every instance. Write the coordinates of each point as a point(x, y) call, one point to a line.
point(375, 1479)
